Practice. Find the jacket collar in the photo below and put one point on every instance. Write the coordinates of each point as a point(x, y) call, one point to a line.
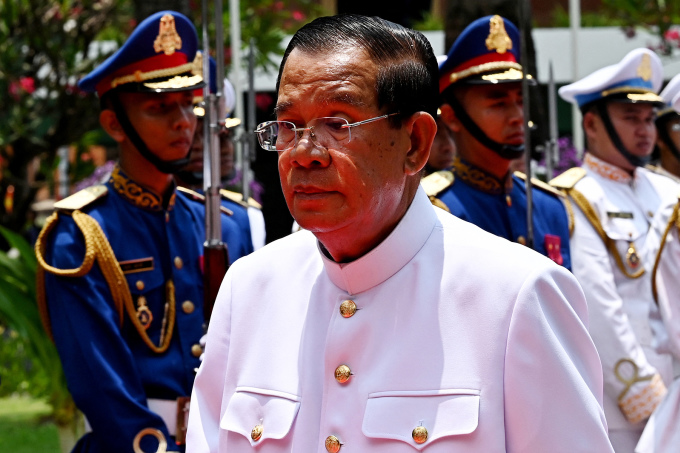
point(480, 179)
point(606, 170)
point(138, 195)
point(391, 255)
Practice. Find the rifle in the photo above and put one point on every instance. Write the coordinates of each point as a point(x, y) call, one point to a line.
point(215, 253)
point(523, 16)
point(249, 142)
point(551, 148)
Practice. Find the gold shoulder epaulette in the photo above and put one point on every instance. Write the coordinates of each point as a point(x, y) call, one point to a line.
point(436, 182)
point(568, 179)
point(201, 198)
point(238, 198)
point(82, 198)
point(537, 183)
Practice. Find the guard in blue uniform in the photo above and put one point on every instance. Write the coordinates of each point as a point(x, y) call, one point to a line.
point(480, 84)
point(120, 279)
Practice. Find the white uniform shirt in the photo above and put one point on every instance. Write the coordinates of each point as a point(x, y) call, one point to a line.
point(662, 433)
point(480, 341)
point(619, 306)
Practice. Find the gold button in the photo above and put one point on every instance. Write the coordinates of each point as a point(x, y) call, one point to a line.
point(188, 307)
point(522, 240)
point(139, 285)
point(342, 374)
point(256, 433)
point(419, 434)
point(178, 262)
point(333, 444)
point(196, 350)
point(348, 308)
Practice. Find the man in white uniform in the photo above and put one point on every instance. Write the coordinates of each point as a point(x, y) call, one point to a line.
point(668, 128)
point(661, 434)
point(614, 201)
point(387, 325)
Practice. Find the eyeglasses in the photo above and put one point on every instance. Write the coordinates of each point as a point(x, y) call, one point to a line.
point(324, 132)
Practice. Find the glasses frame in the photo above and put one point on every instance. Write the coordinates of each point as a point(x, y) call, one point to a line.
point(299, 131)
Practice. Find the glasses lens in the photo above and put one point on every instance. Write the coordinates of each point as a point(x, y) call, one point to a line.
point(275, 135)
point(329, 131)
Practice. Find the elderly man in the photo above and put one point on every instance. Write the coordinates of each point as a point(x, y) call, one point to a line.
point(615, 199)
point(387, 325)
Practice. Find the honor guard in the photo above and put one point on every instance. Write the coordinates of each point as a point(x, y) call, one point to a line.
point(661, 434)
point(614, 198)
point(248, 214)
point(668, 131)
point(120, 278)
point(480, 85)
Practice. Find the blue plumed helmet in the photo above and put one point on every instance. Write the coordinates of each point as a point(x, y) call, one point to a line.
point(159, 56)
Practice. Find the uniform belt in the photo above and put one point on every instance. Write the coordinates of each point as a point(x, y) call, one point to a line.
point(168, 410)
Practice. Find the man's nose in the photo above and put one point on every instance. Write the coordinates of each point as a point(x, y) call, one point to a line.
point(307, 154)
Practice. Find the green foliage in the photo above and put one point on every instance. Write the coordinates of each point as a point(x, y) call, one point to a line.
point(656, 16)
point(429, 22)
point(23, 426)
point(36, 357)
point(45, 47)
point(588, 19)
point(266, 22)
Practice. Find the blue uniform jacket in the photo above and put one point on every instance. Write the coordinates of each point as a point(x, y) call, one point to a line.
point(109, 370)
point(501, 209)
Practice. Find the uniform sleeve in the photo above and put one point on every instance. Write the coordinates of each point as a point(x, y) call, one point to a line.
point(100, 370)
point(668, 284)
point(553, 377)
point(206, 399)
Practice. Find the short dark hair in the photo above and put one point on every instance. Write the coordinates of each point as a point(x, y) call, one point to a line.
point(407, 81)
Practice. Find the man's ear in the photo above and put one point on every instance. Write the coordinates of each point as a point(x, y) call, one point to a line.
point(422, 129)
point(109, 122)
point(591, 124)
point(449, 118)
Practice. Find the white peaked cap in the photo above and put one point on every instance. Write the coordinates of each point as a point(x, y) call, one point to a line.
point(637, 77)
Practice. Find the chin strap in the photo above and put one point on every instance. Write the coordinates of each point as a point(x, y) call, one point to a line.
point(662, 130)
point(165, 166)
point(634, 160)
point(509, 152)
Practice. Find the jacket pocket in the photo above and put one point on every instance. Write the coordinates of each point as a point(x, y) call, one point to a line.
point(273, 412)
point(443, 413)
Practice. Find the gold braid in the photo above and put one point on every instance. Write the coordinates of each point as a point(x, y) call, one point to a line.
point(98, 247)
point(582, 202)
point(674, 220)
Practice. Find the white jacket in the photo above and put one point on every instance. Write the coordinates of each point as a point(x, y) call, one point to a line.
point(477, 340)
point(662, 432)
point(619, 306)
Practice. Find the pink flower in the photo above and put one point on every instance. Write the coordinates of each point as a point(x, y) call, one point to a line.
point(27, 84)
point(263, 101)
point(672, 35)
point(298, 15)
